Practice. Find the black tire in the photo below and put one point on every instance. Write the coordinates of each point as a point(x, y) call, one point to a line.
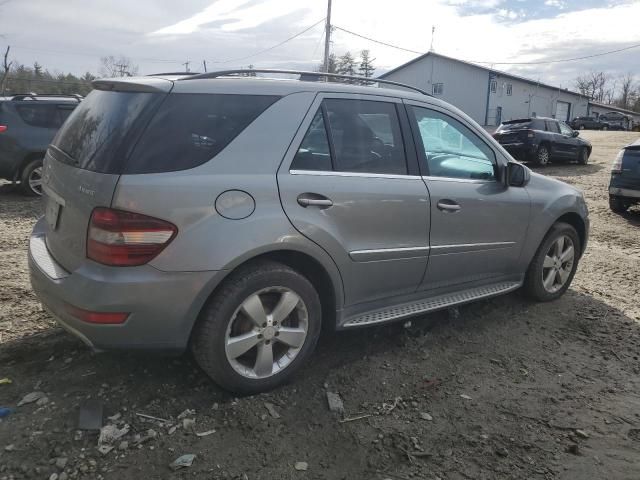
point(30, 172)
point(583, 156)
point(618, 205)
point(542, 156)
point(533, 286)
point(208, 337)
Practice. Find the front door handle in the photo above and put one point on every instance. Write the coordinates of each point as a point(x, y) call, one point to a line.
point(448, 206)
point(314, 200)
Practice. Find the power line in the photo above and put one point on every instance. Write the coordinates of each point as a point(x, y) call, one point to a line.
point(273, 46)
point(542, 62)
point(377, 41)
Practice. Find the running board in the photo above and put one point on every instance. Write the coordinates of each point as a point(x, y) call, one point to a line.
point(430, 305)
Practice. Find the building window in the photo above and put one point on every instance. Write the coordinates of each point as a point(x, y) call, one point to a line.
point(438, 88)
point(494, 86)
point(509, 89)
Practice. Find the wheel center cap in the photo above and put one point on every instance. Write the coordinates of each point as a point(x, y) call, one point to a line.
point(268, 333)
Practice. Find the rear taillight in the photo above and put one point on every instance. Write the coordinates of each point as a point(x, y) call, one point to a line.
point(617, 163)
point(125, 239)
point(3, 128)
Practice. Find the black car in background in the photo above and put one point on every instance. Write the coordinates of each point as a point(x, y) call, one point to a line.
point(541, 140)
point(624, 186)
point(588, 123)
point(28, 123)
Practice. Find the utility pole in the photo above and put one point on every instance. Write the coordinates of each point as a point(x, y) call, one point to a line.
point(204, 64)
point(433, 33)
point(327, 38)
point(186, 65)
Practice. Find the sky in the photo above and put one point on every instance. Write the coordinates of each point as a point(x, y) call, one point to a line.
point(160, 35)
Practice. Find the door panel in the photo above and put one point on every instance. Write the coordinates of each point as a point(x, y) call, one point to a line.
point(478, 224)
point(375, 226)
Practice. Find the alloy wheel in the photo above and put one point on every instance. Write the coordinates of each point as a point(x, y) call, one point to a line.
point(35, 180)
point(558, 264)
point(543, 156)
point(266, 332)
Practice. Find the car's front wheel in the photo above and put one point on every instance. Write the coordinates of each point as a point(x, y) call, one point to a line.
point(554, 264)
point(31, 178)
point(618, 205)
point(583, 156)
point(258, 329)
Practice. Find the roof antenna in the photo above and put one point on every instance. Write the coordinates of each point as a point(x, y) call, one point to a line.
point(433, 33)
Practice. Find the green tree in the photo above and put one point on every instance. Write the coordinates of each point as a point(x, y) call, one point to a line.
point(366, 68)
point(347, 65)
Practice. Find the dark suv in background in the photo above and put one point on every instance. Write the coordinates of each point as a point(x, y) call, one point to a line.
point(28, 123)
point(624, 187)
point(541, 140)
point(588, 123)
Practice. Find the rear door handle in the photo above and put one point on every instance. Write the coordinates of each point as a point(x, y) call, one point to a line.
point(448, 206)
point(314, 200)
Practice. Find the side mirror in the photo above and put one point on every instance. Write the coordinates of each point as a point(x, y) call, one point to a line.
point(517, 174)
point(575, 133)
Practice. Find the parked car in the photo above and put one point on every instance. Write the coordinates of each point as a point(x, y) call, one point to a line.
point(588, 123)
point(236, 215)
point(616, 120)
point(28, 123)
point(541, 140)
point(624, 186)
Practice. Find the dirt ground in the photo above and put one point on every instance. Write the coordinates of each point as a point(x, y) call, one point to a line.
point(503, 388)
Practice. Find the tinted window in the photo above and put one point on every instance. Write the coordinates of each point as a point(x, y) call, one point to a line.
point(552, 126)
point(314, 152)
point(100, 131)
point(565, 129)
point(38, 115)
point(520, 124)
point(190, 129)
point(451, 149)
point(366, 136)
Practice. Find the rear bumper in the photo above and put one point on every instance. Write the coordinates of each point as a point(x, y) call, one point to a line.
point(162, 306)
point(521, 151)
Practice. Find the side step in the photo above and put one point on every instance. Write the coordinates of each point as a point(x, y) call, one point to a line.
point(430, 305)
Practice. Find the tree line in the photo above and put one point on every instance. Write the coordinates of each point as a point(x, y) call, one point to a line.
point(622, 91)
point(347, 64)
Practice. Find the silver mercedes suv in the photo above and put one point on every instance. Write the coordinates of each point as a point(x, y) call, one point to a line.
point(235, 215)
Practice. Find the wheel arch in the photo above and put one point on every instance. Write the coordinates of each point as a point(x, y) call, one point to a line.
point(30, 157)
point(576, 221)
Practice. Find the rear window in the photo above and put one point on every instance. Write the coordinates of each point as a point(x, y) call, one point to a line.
point(97, 134)
point(190, 129)
point(520, 124)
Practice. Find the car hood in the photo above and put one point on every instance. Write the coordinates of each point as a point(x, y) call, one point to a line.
point(583, 141)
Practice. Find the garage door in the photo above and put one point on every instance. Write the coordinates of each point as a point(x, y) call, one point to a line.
point(562, 111)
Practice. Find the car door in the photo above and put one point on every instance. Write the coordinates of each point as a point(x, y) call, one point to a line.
point(350, 183)
point(570, 142)
point(478, 224)
point(558, 146)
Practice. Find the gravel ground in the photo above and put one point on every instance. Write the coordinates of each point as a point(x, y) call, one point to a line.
point(503, 388)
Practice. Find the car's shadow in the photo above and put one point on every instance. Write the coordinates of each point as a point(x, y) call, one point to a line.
point(566, 169)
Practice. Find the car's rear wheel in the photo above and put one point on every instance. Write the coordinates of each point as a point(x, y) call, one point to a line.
point(31, 178)
point(554, 264)
point(542, 155)
point(618, 205)
point(258, 329)
point(583, 156)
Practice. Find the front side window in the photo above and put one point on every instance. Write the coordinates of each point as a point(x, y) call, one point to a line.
point(365, 138)
point(451, 149)
point(565, 129)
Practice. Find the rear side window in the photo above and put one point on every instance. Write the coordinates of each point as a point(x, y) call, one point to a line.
point(38, 115)
point(190, 129)
point(100, 131)
point(552, 126)
point(365, 138)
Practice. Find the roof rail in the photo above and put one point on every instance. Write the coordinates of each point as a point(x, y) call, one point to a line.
point(303, 76)
point(172, 73)
point(34, 96)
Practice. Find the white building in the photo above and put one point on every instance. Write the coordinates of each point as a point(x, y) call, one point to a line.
point(487, 95)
